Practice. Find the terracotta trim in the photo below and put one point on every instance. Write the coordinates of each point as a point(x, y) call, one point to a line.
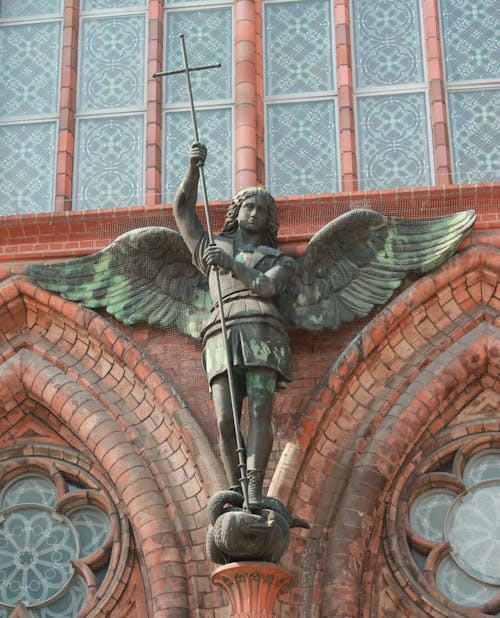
point(67, 107)
point(379, 330)
point(245, 93)
point(346, 129)
point(437, 97)
point(154, 115)
point(377, 401)
point(62, 235)
point(108, 395)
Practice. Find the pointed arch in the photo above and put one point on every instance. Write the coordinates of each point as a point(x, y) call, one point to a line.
point(110, 398)
point(409, 372)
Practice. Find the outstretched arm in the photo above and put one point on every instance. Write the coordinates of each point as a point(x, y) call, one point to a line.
point(185, 199)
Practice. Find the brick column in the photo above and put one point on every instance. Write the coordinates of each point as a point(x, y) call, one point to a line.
point(252, 587)
point(442, 161)
point(154, 103)
point(247, 76)
point(67, 107)
point(347, 143)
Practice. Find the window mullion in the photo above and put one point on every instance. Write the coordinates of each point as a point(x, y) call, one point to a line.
point(67, 110)
point(154, 115)
point(347, 134)
point(437, 99)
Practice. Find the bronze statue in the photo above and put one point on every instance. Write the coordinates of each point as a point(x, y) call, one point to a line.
point(234, 535)
point(157, 276)
point(252, 272)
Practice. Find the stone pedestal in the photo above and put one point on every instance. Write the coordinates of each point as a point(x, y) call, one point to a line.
point(252, 587)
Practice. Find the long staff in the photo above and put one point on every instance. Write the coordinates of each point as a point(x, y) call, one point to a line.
point(227, 350)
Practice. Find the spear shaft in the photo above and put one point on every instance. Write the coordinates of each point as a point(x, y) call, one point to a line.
point(227, 349)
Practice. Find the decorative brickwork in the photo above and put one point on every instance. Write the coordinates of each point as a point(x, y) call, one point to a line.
point(366, 408)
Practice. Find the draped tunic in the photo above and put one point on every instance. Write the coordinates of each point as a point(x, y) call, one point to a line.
point(256, 331)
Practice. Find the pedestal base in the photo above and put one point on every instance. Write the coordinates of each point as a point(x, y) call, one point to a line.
point(252, 587)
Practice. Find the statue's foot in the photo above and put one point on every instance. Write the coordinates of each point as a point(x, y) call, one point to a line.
point(255, 481)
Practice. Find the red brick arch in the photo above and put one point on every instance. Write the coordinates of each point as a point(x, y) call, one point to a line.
point(112, 400)
point(407, 374)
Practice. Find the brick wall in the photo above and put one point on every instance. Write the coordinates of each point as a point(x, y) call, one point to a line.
point(133, 401)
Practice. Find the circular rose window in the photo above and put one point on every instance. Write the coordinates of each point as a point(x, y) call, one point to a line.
point(59, 534)
point(451, 514)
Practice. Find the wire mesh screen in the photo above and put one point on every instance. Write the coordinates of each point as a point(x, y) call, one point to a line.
point(179, 356)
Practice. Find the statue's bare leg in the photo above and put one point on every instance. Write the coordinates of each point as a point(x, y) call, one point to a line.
point(260, 384)
point(225, 423)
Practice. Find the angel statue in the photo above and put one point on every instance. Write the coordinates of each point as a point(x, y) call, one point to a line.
point(164, 278)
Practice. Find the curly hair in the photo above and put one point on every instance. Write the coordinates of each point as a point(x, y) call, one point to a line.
point(231, 221)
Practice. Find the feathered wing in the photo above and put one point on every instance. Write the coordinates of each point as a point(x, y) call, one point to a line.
point(359, 259)
point(145, 275)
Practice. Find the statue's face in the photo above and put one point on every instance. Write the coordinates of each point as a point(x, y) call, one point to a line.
point(253, 213)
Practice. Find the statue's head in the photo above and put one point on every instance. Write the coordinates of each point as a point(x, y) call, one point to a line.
point(231, 221)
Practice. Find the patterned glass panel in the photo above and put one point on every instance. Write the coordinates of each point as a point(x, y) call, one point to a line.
point(29, 8)
point(460, 588)
point(428, 513)
point(27, 170)
point(472, 531)
point(93, 527)
point(471, 39)
point(482, 467)
point(393, 141)
point(90, 5)
point(112, 64)
point(29, 71)
point(110, 155)
point(299, 137)
point(69, 604)
point(215, 129)
point(208, 38)
point(29, 490)
point(387, 40)
point(183, 1)
point(37, 546)
point(299, 47)
point(475, 134)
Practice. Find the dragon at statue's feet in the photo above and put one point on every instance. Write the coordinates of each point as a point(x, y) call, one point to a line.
point(236, 535)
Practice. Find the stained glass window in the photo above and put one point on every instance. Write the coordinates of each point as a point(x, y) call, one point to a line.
point(90, 5)
point(393, 137)
point(110, 162)
point(393, 141)
point(29, 82)
point(27, 170)
point(471, 39)
point(215, 128)
point(475, 134)
point(299, 135)
point(209, 40)
point(110, 141)
point(111, 71)
point(41, 544)
point(299, 63)
point(460, 523)
point(471, 43)
point(299, 47)
point(30, 62)
point(29, 8)
point(387, 42)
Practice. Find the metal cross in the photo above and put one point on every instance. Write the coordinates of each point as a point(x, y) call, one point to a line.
point(227, 350)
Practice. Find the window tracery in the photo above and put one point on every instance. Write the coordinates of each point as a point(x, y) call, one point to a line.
point(448, 525)
point(60, 537)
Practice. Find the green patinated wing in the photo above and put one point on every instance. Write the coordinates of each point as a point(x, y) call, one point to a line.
point(145, 275)
point(357, 261)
